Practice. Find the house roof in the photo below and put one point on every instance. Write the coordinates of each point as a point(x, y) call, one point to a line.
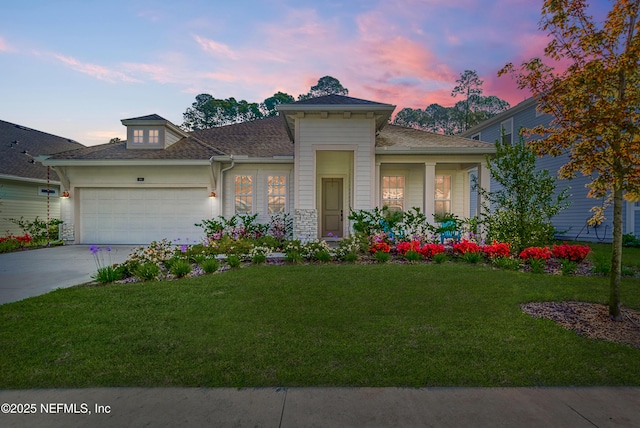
point(335, 99)
point(185, 149)
point(270, 138)
point(19, 145)
point(258, 138)
point(399, 138)
point(334, 104)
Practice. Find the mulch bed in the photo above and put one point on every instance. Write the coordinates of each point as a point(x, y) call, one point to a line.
point(590, 320)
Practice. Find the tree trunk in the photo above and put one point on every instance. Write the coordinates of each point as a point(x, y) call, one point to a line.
point(616, 257)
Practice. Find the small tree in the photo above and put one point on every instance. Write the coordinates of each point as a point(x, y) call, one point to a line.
point(521, 209)
point(594, 103)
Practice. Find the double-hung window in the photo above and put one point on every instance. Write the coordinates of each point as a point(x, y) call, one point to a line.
point(507, 128)
point(138, 136)
point(443, 194)
point(243, 194)
point(154, 136)
point(393, 192)
point(276, 194)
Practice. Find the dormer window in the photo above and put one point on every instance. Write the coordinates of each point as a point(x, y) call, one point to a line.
point(154, 136)
point(138, 136)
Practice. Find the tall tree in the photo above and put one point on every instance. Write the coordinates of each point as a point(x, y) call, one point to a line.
point(208, 112)
point(594, 102)
point(326, 85)
point(268, 106)
point(469, 84)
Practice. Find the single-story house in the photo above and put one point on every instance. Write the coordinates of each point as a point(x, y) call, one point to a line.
point(572, 223)
point(27, 188)
point(317, 160)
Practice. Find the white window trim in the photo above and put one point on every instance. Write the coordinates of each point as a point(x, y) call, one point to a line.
point(286, 192)
point(157, 136)
point(450, 199)
point(507, 125)
point(404, 188)
point(141, 136)
point(252, 194)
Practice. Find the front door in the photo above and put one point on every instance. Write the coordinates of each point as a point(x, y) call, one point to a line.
point(332, 214)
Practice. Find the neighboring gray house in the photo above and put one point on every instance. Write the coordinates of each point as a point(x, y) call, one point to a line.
point(572, 222)
point(316, 161)
point(27, 188)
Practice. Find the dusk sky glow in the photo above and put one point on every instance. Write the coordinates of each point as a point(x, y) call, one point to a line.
point(76, 68)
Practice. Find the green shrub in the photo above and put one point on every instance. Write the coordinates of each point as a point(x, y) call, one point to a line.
point(350, 258)
point(601, 265)
point(412, 256)
point(440, 258)
point(293, 257)
point(180, 268)
point(628, 271)
point(537, 265)
point(233, 261)
point(506, 263)
point(568, 267)
point(9, 246)
point(323, 256)
point(258, 259)
point(471, 257)
point(210, 265)
point(147, 271)
point(382, 257)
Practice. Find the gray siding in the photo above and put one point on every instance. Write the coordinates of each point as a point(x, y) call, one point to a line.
point(572, 222)
point(24, 199)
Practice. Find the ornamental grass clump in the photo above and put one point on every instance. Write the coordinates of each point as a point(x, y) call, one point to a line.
point(210, 265)
point(107, 271)
point(412, 256)
point(180, 268)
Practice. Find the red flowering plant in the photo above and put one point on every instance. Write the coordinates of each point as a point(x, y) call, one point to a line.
point(574, 253)
point(536, 253)
point(12, 243)
point(406, 246)
point(379, 243)
point(466, 246)
point(497, 249)
point(430, 250)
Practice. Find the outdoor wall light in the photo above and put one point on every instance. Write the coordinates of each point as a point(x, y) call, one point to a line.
point(65, 194)
point(212, 195)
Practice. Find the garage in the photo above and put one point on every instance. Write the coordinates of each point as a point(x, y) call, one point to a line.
point(139, 216)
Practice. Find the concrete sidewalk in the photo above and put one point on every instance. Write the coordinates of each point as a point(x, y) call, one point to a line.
point(31, 273)
point(325, 407)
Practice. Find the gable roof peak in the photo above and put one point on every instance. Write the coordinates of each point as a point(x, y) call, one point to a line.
point(335, 99)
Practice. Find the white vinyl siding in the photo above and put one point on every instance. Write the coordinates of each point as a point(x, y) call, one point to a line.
point(354, 135)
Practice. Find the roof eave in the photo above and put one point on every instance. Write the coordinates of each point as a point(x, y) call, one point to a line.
point(435, 150)
point(122, 162)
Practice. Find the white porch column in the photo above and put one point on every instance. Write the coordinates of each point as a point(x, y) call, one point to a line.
point(429, 190)
point(376, 187)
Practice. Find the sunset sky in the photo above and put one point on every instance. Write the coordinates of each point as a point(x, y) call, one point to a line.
point(76, 68)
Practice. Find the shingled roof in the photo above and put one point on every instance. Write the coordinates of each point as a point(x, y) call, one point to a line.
point(398, 137)
point(19, 145)
point(185, 149)
point(258, 138)
point(335, 99)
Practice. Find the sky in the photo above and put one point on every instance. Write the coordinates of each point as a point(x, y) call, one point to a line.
point(77, 68)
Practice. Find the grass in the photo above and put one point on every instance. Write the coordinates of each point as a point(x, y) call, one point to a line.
point(408, 325)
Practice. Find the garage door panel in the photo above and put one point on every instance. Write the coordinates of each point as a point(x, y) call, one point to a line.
point(139, 216)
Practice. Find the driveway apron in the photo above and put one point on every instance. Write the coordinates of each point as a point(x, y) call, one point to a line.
point(31, 273)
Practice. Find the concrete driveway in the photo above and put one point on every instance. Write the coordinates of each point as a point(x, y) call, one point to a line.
point(31, 273)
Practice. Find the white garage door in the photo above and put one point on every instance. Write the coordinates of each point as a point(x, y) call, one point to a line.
point(139, 216)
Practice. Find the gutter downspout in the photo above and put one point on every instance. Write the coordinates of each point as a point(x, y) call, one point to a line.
point(222, 171)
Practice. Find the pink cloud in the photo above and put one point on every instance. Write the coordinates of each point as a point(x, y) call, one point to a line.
point(215, 48)
point(4, 45)
point(97, 71)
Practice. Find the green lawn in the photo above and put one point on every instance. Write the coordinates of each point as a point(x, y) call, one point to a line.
point(316, 325)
